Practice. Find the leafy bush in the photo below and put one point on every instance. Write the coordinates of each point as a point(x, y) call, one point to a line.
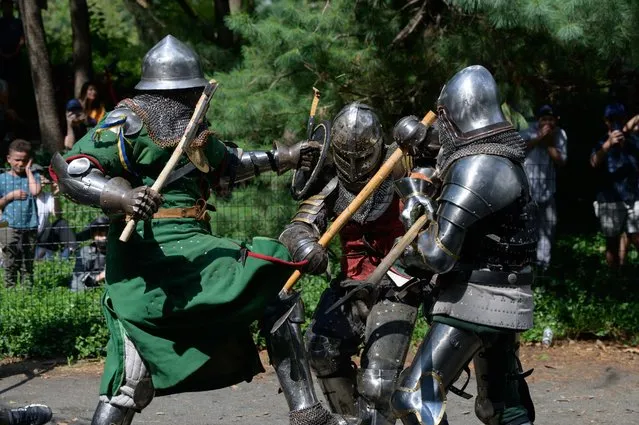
point(51, 322)
point(579, 297)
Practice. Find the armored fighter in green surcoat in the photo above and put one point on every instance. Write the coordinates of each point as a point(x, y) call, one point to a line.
point(179, 300)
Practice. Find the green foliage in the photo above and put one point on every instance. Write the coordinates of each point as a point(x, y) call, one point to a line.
point(51, 322)
point(537, 49)
point(339, 47)
point(581, 297)
point(113, 36)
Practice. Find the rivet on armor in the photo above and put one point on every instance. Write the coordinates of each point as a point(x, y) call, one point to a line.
point(455, 342)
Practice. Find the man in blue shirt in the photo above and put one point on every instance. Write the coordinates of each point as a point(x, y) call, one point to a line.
point(18, 189)
point(617, 203)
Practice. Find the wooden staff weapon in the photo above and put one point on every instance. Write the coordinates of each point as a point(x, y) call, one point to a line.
point(185, 141)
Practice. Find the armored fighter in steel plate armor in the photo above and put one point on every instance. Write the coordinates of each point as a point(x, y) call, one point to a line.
point(481, 241)
point(174, 273)
point(381, 321)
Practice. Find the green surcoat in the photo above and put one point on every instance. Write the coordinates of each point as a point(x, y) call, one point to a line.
point(182, 295)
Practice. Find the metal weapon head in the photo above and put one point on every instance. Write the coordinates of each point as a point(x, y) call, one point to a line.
point(469, 107)
point(171, 65)
point(357, 143)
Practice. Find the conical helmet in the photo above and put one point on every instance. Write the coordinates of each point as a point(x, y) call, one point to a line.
point(171, 65)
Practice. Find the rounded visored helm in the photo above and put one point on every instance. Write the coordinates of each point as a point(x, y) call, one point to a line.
point(469, 107)
point(357, 143)
point(171, 65)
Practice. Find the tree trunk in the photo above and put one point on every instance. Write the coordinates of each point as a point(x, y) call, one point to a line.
point(150, 28)
point(41, 75)
point(81, 43)
point(224, 34)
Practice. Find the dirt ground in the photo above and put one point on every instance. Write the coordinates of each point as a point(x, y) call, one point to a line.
point(585, 382)
point(563, 360)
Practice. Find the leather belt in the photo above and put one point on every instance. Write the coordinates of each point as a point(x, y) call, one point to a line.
point(485, 277)
point(198, 212)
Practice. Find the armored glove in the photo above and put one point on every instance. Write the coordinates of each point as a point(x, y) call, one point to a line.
point(301, 242)
point(302, 155)
point(138, 204)
point(414, 207)
point(415, 194)
point(141, 203)
point(415, 138)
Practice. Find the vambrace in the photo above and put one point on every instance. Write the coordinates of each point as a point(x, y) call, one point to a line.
point(437, 248)
point(82, 182)
point(249, 164)
point(301, 240)
point(420, 394)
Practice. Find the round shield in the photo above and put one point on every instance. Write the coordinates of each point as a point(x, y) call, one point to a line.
point(303, 180)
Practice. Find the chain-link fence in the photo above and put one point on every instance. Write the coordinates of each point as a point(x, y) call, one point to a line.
point(52, 306)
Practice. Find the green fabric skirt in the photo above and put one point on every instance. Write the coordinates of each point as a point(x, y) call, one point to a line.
point(186, 299)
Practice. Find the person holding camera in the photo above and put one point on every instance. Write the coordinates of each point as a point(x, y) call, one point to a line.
point(546, 150)
point(616, 156)
point(76, 123)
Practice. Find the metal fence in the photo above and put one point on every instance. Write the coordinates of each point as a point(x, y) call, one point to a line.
point(46, 306)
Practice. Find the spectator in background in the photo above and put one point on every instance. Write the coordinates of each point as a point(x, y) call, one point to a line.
point(616, 156)
point(546, 145)
point(56, 237)
point(90, 264)
point(91, 103)
point(76, 123)
point(18, 189)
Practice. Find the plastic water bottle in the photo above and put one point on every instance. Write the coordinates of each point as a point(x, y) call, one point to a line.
point(546, 339)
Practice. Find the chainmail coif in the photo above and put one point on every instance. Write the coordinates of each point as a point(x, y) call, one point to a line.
point(508, 144)
point(166, 115)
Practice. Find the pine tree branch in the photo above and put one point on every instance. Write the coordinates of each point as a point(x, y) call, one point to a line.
point(279, 77)
point(323, 11)
point(414, 22)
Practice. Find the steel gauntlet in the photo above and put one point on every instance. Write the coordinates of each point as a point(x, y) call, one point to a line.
point(415, 194)
point(415, 138)
point(139, 203)
point(301, 241)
